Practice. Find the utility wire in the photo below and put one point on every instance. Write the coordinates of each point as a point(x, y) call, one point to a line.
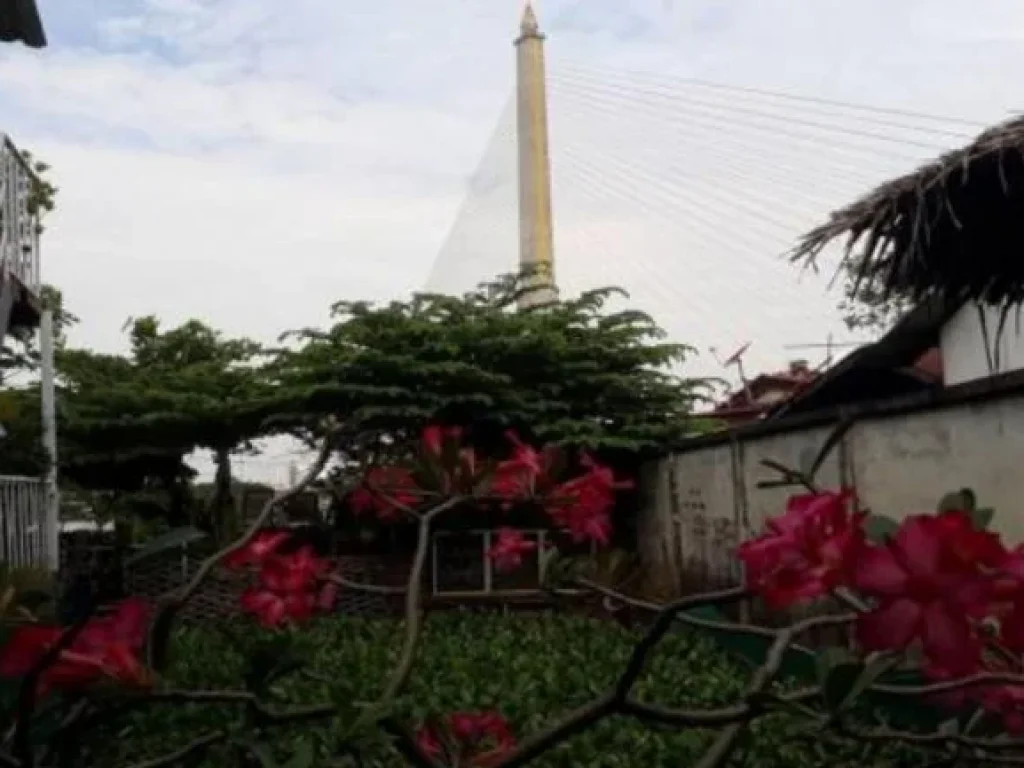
point(724, 166)
point(749, 106)
point(742, 168)
point(699, 221)
point(795, 119)
point(707, 134)
point(501, 136)
point(821, 132)
point(674, 192)
point(692, 307)
point(640, 270)
point(679, 81)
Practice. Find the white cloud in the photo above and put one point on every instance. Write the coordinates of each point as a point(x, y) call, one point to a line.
point(250, 161)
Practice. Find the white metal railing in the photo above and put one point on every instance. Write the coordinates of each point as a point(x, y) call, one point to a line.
point(476, 576)
point(19, 223)
point(27, 532)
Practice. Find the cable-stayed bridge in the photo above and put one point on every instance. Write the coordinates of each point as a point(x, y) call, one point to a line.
point(688, 194)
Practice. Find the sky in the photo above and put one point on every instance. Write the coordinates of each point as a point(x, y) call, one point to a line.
point(249, 162)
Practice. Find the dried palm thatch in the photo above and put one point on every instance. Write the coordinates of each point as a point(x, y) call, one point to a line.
point(954, 228)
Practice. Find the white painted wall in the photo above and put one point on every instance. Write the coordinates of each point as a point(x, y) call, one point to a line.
point(965, 355)
point(697, 506)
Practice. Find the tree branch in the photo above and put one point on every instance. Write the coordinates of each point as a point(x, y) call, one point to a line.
point(163, 621)
point(412, 602)
point(370, 589)
point(192, 748)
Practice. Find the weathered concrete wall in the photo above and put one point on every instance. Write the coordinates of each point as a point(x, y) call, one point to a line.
point(697, 505)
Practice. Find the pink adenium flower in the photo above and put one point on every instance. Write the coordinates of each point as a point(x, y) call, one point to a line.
point(583, 506)
point(472, 739)
point(108, 647)
point(928, 588)
point(507, 552)
point(805, 553)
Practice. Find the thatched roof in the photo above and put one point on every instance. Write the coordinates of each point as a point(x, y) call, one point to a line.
point(954, 227)
point(19, 21)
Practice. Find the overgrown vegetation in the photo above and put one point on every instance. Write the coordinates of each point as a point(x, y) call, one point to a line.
point(528, 669)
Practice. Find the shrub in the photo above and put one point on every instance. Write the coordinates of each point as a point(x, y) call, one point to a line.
point(936, 607)
point(527, 667)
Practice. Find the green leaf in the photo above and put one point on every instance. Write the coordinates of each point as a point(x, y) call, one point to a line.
point(271, 660)
point(982, 518)
point(173, 539)
point(879, 529)
point(872, 669)
point(261, 752)
point(830, 658)
point(963, 500)
point(303, 757)
point(839, 683)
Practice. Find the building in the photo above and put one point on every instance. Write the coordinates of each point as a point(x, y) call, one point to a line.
point(763, 393)
point(20, 22)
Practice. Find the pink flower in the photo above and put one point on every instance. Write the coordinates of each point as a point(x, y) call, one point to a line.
point(582, 506)
point(107, 647)
point(290, 588)
point(966, 544)
point(805, 553)
point(434, 438)
point(385, 492)
point(256, 550)
point(926, 590)
point(1007, 701)
point(515, 478)
point(472, 739)
point(507, 552)
point(271, 609)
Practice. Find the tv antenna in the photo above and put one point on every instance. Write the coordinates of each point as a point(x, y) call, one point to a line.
point(830, 345)
point(736, 359)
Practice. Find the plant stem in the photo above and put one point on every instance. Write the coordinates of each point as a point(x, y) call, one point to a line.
point(163, 621)
point(413, 614)
point(725, 742)
point(192, 748)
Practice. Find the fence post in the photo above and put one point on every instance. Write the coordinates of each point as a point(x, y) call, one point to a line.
point(50, 522)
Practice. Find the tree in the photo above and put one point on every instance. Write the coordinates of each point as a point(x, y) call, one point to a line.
point(573, 372)
point(866, 305)
point(138, 416)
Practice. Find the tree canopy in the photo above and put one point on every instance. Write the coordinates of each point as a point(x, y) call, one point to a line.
point(128, 422)
point(571, 373)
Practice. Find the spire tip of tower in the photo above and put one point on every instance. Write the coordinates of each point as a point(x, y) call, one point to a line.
point(529, 24)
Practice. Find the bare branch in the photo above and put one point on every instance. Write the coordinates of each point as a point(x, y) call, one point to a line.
point(192, 748)
point(160, 627)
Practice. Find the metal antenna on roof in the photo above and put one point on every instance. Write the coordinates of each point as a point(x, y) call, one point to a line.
point(736, 358)
point(830, 346)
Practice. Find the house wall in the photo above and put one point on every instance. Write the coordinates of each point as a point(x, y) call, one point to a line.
point(967, 354)
point(699, 504)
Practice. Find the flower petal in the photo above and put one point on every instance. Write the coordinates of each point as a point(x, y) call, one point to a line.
point(890, 627)
point(948, 639)
point(878, 573)
point(918, 544)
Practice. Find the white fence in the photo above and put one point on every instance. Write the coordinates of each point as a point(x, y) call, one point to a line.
point(27, 532)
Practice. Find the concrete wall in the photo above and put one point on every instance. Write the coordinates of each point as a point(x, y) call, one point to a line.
point(699, 504)
point(969, 353)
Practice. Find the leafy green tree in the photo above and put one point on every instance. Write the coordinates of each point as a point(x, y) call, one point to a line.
point(138, 416)
point(865, 306)
point(574, 373)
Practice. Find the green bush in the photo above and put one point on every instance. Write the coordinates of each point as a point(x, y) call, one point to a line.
point(530, 668)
